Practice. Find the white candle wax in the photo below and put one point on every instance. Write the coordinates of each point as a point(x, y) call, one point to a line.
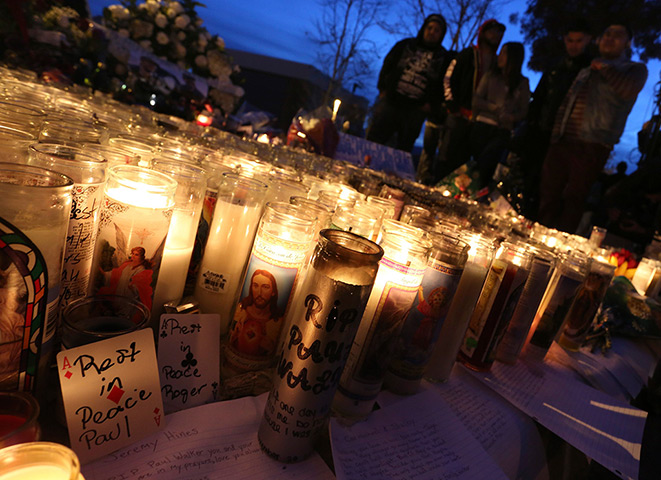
point(176, 258)
point(456, 322)
point(233, 230)
point(37, 472)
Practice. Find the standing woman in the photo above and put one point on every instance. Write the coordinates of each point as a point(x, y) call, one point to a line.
point(499, 104)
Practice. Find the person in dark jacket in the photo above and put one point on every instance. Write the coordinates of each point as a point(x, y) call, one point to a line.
point(461, 80)
point(409, 80)
point(499, 104)
point(546, 100)
point(589, 122)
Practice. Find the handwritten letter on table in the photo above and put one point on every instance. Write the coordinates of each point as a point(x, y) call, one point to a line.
point(418, 438)
point(214, 441)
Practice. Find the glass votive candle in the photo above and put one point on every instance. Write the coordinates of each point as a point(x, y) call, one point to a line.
point(96, 318)
point(39, 460)
point(14, 143)
point(19, 414)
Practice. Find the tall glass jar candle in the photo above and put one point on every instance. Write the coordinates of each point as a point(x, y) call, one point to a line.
point(134, 224)
point(14, 144)
point(558, 297)
point(484, 331)
point(541, 268)
point(333, 298)
point(425, 320)
point(281, 246)
point(396, 286)
point(36, 204)
point(586, 303)
point(191, 186)
point(480, 256)
point(89, 175)
point(239, 205)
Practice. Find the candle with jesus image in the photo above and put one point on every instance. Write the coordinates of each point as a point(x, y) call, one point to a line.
point(281, 246)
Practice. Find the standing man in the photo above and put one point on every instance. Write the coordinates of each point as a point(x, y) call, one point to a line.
point(461, 80)
point(546, 100)
point(409, 83)
point(588, 124)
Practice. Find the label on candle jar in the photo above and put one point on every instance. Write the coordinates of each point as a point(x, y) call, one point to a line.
point(23, 298)
point(129, 249)
point(387, 308)
point(423, 324)
point(111, 393)
point(483, 307)
point(83, 226)
point(308, 370)
point(257, 322)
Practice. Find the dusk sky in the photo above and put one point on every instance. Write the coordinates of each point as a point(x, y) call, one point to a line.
point(278, 29)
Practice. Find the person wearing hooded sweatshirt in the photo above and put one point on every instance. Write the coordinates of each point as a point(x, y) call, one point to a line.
point(499, 104)
point(410, 81)
point(461, 80)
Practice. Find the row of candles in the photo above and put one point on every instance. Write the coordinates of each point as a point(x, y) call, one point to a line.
point(340, 286)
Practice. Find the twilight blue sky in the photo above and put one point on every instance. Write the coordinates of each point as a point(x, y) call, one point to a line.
point(278, 28)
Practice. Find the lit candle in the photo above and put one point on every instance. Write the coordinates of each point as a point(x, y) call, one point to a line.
point(463, 304)
point(586, 303)
point(233, 228)
point(395, 289)
point(565, 282)
point(134, 224)
point(191, 186)
point(425, 320)
point(332, 299)
point(512, 342)
point(281, 246)
point(89, 175)
point(484, 331)
point(36, 204)
point(39, 461)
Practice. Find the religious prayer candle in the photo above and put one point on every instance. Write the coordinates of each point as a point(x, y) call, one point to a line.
point(484, 330)
point(425, 320)
point(281, 246)
point(88, 172)
point(134, 224)
point(36, 204)
point(320, 331)
point(524, 313)
point(586, 303)
point(463, 304)
point(191, 187)
point(236, 216)
point(396, 286)
point(356, 221)
point(565, 282)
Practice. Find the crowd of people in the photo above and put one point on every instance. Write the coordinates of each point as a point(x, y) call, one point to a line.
point(477, 106)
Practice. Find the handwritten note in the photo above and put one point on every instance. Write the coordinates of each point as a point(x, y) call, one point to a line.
point(214, 441)
point(418, 437)
point(606, 429)
point(189, 360)
point(111, 393)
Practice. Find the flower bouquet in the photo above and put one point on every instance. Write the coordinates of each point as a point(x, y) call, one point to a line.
point(173, 31)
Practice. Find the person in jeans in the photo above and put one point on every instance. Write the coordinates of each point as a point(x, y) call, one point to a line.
point(461, 79)
point(409, 82)
point(499, 103)
point(588, 124)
